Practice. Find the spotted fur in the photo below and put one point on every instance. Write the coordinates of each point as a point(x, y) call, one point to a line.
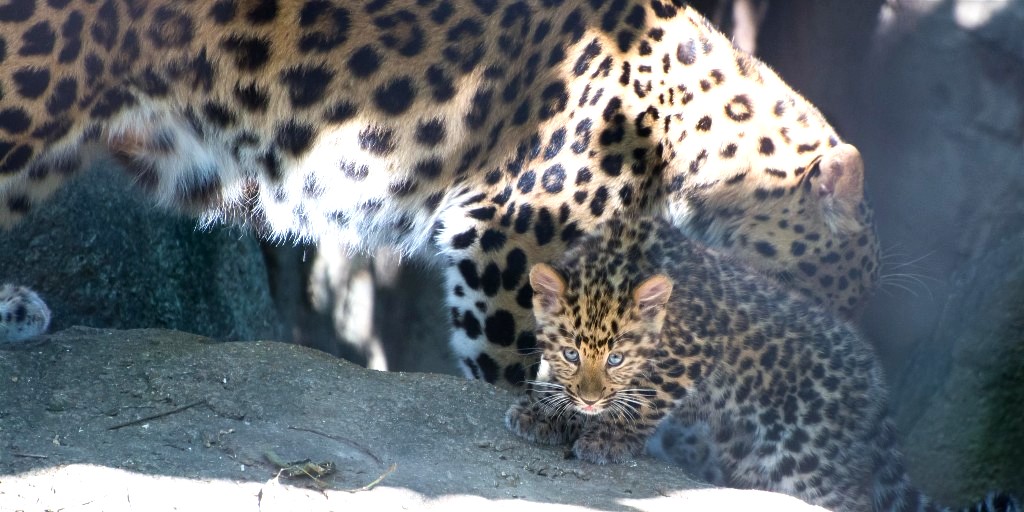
point(489, 133)
point(638, 323)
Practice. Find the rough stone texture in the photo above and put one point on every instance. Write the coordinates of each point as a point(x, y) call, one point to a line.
point(947, 96)
point(72, 443)
point(945, 159)
point(100, 255)
point(967, 434)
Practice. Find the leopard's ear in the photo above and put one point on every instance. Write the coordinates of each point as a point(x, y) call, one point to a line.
point(652, 295)
point(548, 286)
point(841, 187)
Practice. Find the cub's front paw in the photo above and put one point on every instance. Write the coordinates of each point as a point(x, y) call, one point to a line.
point(534, 422)
point(608, 448)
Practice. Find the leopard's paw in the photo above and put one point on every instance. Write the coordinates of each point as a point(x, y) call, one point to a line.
point(23, 314)
point(607, 448)
point(536, 423)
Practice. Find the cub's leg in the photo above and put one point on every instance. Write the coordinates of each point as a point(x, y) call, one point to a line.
point(610, 437)
point(620, 432)
point(544, 416)
point(688, 444)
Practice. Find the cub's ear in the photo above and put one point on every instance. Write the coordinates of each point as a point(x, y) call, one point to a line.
point(652, 295)
point(548, 287)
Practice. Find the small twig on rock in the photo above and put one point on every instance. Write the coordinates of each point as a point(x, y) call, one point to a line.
point(30, 455)
point(347, 441)
point(158, 415)
point(374, 483)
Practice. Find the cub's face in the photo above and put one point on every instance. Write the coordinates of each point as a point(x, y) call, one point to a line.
point(597, 340)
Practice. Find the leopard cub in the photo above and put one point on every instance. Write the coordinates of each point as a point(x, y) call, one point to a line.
point(637, 323)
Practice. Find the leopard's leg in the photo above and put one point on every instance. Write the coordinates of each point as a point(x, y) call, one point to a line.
point(487, 287)
point(544, 415)
point(686, 438)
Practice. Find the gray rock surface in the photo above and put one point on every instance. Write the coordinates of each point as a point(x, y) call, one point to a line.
point(945, 91)
point(944, 132)
point(966, 431)
point(160, 420)
point(103, 256)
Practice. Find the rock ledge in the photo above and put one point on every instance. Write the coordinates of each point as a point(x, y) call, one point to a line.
point(213, 411)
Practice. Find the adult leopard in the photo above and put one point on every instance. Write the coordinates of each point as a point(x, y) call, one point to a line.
point(492, 133)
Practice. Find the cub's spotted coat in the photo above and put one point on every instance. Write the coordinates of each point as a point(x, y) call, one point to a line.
point(638, 322)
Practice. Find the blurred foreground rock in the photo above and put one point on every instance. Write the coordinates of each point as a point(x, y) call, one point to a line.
point(70, 436)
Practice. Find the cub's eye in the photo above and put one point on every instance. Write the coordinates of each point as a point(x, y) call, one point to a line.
point(572, 355)
point(614, 359)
